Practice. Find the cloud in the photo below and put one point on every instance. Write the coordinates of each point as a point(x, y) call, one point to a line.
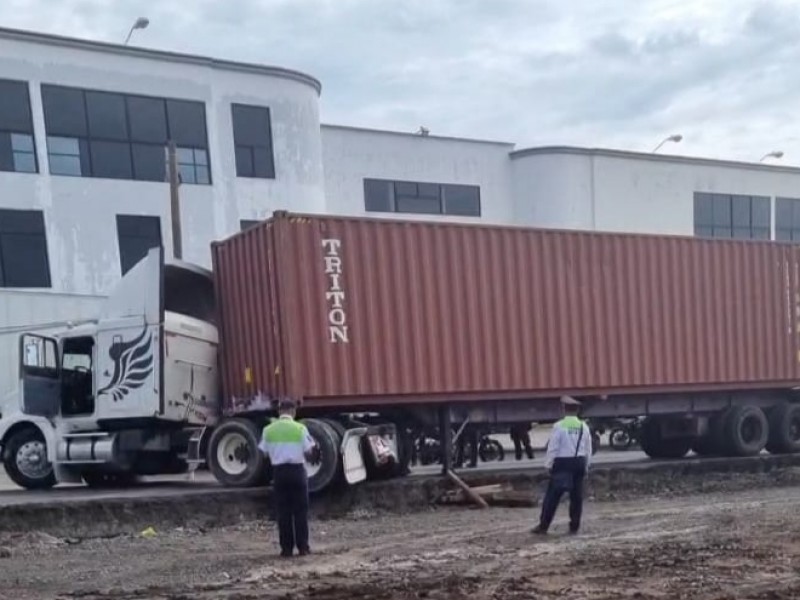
point(621, 73)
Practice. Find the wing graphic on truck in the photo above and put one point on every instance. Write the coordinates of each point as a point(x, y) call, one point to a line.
point(133, 364)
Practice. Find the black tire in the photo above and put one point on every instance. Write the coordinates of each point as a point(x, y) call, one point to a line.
point(595, 442)
point(655, 446)
point(491, 451)
point(28, 437)
point(330, 466)
point(104, 480)
point(233, 455)
point(784, 429)
point(745, 430)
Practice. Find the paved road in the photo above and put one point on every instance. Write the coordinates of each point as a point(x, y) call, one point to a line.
point(160, 487)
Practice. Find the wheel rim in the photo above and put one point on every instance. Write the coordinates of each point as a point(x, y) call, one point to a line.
point(32, 461)
point(312, 470)
point(232, 453)
point(794, 429)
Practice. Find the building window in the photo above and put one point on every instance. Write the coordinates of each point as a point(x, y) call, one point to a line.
point(17, 147)
point(122, 136)
point(247, 224)
point(137, 235)
point(787, 219)
point(381, 195)
point(23, 250)
point(252, 138)
point(731, 216)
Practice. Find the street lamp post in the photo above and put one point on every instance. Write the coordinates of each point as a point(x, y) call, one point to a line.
point(140, 23)
point(676, 138)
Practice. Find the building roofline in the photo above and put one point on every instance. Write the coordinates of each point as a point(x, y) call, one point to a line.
point(164, 55)
point(416, 135)
point(671, 158)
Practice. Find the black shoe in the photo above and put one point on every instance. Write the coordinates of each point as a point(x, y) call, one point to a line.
point(304, 552)
point(539, 530)
point(574, 530)
point(285, 554)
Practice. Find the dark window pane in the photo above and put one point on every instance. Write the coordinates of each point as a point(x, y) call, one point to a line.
point(760, 211)
point(406, 204)
point(200, 157)
point(137, 235)
point(405, 188)
point(251, 125)
point(111, 160)
point(703, 209)
point(106, 116)
point(742, 233)
point(262, 161)
point(187, 174)
point(795, 221)
point(463, 200)
point(783, 235)
point(202, 175)
point(148, 162)
point(722, 211)
point(6, 153)
point(24, 261)
point(21, 221)
point(22, 142)
point(247, 224)
point(64, 111)
point(185, 156)
point(741, 211)
point(428, 190)
point(783, 212)
point(760, 233)
point(148, 119)
point(703, 231)
point(244, 161)
point(377, 197)
point(722, 232)
point(61, 145)
point(15, 106)
point(187, 123)
point(23, 249)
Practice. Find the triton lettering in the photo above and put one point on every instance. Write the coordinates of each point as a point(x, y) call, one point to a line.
point(335, 296)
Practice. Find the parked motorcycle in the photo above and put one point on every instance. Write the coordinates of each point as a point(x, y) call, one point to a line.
point(625, 435)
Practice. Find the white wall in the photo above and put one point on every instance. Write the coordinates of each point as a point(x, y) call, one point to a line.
point(80, 213)
point(350, 155)
point(624, 192)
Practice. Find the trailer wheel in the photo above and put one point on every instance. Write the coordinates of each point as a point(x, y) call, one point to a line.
point(745, 430)
point(323, 474)
point(656, 446)
point(784, 429)
point(233, 454)
point(25, 460)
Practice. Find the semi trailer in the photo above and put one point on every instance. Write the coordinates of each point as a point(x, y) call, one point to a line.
point(378, 327)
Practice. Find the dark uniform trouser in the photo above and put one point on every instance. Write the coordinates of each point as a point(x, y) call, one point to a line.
point(567, 476)
point(290, 485)
point(521, 439)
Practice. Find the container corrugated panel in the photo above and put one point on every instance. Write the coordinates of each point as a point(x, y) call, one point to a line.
point(357, 311)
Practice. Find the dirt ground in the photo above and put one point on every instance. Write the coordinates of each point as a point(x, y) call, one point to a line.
point(714, 546)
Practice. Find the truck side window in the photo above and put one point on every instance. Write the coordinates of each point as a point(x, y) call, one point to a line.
point(77, 391)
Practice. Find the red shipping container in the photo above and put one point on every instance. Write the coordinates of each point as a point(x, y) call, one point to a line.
point(361, 312)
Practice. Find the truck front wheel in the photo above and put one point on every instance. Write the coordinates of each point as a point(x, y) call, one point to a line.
point(233, 454)
point(25, 460)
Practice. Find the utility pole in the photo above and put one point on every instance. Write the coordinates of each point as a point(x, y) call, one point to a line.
point(175, 201)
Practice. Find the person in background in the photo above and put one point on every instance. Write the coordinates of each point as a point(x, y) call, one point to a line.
point(288, 444)
point(468, 440)
point(520, 435)
point(569, 453)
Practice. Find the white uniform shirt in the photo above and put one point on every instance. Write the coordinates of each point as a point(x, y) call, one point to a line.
point(564, 440)
point(288, 443)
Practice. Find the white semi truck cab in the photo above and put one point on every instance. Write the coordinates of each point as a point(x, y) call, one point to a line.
point(127, 394)
point(136, 392)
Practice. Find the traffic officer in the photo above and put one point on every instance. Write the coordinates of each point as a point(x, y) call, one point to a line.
point(288, 444)
point(569, 453)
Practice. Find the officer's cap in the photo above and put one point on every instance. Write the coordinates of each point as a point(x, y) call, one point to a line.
point(286, 404)
point(569, 401)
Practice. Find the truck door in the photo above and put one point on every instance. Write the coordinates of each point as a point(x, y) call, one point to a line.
point(40, 381)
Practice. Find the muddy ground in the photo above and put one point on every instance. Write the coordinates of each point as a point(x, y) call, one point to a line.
point(718, 545)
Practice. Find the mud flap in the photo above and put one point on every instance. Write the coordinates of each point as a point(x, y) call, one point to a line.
point(355, 470)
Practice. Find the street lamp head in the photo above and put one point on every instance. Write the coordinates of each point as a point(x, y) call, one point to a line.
point(676, 138)
point(773, 154)
point(141, 23)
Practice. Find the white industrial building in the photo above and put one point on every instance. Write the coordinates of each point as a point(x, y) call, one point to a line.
point(83, 192)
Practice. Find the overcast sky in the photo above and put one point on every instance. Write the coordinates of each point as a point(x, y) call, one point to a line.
point(609, 73)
